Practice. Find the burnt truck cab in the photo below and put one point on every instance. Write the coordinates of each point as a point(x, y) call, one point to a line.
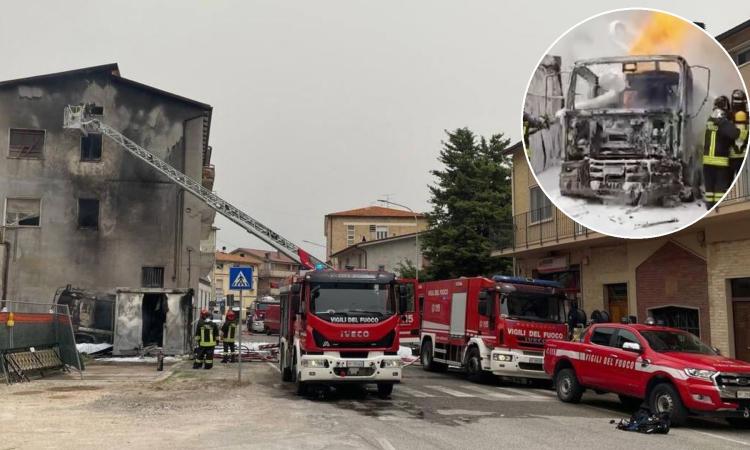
point(341, 327)
point(626, 131)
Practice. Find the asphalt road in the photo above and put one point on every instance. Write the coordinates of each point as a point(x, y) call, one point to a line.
point(431, 410)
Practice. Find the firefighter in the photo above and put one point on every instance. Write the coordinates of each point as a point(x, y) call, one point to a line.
point(205, 341)
point(228, 336)
point(740, 119)
point(720, 137)
point(530, 126)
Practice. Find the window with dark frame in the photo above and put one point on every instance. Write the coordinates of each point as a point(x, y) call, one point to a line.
point(152, 277)
point(22, 212)
point(686, 319)
point(743, 57)
point(541, 207)
point(26, 143)
point(88, 213)
point(91, 147)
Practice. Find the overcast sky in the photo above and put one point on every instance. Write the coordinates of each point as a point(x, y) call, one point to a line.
point(319, 106)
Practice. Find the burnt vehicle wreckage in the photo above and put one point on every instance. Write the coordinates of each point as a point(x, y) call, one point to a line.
point(626, 131)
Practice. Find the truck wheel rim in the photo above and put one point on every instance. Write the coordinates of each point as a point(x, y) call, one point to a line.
point(565, 386)
point(664, 403)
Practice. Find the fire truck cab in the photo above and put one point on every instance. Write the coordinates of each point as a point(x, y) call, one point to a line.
point(491, 326)
point(341, 327)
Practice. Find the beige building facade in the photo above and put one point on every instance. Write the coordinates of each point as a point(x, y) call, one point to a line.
point(697, 279)
point(225, 261)
point(346, 228)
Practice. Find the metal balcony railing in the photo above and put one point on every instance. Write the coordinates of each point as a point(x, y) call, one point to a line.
point(539, 226)
point(741, 190)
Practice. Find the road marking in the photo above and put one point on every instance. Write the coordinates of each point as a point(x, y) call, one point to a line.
point(412, 392)
point(520, 392)
point(717, 436)
point(489, 392)
point(274, 366)
point(450, 391)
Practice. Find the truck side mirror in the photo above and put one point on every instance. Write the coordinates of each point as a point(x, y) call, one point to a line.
point(716, 349)
point(632, 347)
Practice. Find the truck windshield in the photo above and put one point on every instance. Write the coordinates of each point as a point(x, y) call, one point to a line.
point(534, 307)
point(632, 85)
point(352, 299)
point(664, 341)
point(262, 306)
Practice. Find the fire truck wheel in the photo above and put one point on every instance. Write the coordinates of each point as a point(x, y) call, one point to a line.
point(286, 372)
point(300, 386)
point(385, 390)
point(569, 390)
point(473, 366)
point(664, 398)
point(426, 358)
point(630, 402)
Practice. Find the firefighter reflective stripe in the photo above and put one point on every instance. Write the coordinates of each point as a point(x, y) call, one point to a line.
point(738, 150)
point(231, 333)
point(713, 196)
point(207, 338)
point(719, 161)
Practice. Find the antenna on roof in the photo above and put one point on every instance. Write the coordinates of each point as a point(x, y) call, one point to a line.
point(386, 199)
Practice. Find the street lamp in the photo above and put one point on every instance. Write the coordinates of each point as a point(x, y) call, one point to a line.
point(416, 235)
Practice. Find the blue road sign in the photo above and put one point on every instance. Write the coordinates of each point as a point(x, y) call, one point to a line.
point(240, 278)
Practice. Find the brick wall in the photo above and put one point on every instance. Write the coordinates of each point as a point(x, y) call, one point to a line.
point(674, 276)
point(726, 260)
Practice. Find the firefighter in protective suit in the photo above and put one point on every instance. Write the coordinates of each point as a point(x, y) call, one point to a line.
point(720, 137)
point(206, 334)
point(740, 119)
point(229, 331)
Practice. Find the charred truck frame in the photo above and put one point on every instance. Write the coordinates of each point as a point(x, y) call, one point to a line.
point(631, 141)
point(341, 327)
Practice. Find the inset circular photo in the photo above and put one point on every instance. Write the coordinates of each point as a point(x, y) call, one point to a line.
point(635, 123)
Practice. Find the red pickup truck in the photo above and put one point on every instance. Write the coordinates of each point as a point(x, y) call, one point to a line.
point(670, 369)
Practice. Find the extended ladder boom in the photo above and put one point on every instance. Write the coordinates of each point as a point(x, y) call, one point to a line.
point(78, 117)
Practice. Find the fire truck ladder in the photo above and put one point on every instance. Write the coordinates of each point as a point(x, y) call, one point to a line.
point(85, 119)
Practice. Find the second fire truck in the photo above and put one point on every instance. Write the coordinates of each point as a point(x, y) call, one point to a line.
point(491, 326)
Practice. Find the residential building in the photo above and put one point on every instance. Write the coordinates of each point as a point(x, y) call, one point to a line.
point(380, 254)
point(275, 268)
point(78, 209)
point(346, 228)
point(697, 279)
point(225, 261)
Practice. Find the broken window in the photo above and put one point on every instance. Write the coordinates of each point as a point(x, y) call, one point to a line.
point(26, 143)
point(91, 147)
point(152, 277)
point(88, 213)
point(22, 212)
point(541, 208)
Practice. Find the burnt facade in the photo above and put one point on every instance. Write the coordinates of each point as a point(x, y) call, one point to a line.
point(82, 211)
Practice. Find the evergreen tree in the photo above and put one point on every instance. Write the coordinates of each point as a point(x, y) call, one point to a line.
point(405, 269)
point(471, 213)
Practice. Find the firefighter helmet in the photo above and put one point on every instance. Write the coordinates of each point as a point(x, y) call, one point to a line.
point(740, 116)
point(204, 314)
point(722, 102)
point(739, 100)
point(230, 315)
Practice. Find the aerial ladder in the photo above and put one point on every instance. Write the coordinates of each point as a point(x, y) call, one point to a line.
point(86, 118)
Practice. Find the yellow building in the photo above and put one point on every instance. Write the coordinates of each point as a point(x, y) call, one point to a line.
point(697, 279)
point(346, 228)
point(224, 261)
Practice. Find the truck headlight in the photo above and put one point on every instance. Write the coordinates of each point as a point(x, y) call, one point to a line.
point(312, 363)
point(390, 363)
point(501, 357)
point(700, 373)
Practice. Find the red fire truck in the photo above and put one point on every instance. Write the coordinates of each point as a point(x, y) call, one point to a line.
point(266, 316)
point(341, 327)
point(410, 316)
point(491, 326)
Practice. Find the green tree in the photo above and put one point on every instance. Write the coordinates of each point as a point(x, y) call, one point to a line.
point(406, 269)
point(471, 207)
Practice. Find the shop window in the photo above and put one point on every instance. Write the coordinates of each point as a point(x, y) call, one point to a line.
point(26, 143)
point(541, 207)
point(22, 212)
point(686, 319)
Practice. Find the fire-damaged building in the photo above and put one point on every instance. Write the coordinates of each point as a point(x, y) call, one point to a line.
point(80, 212)
point(697, 279)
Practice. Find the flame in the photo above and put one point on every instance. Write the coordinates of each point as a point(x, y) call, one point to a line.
point(662, 33)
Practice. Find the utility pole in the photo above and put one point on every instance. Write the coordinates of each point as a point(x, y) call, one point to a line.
point(416, 234)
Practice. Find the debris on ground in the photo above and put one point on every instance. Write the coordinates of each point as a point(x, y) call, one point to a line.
point(660, 222)
point(642, 421)
point(93, 349)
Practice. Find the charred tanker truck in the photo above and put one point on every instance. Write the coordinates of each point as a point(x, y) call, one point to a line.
point(626, 131)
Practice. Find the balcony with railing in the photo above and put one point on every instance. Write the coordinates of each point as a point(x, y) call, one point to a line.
point(740, 191)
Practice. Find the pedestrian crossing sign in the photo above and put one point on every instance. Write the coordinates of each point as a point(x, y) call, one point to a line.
point(240, 278)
